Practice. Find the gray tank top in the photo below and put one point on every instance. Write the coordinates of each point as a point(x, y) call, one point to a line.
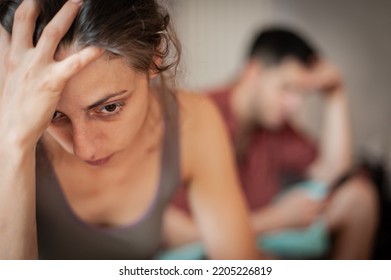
point(62, 235)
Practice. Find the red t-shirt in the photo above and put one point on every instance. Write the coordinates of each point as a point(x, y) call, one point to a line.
point(269, 157)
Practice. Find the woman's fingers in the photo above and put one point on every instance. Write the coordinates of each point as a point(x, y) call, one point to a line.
point(24, 26)
point(65, 69)
point(57, 28)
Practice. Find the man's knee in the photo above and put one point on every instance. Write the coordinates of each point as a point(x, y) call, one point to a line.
point(359, 193)
point(355, 201)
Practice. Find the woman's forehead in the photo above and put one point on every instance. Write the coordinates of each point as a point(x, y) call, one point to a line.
point(102, 76)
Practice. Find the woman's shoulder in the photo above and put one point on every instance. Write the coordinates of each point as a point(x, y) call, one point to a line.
point(195, 109)
point(202, 129)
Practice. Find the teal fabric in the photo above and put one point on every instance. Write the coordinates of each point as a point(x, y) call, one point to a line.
point(294, 244)
point(192, 251)
point(316, 190)
point(310, 243)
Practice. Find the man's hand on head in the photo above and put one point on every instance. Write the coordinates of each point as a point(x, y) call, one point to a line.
point(326, 78)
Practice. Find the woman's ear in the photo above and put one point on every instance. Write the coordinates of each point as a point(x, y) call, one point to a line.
point(157, 62)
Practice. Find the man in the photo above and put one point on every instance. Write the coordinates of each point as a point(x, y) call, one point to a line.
point(272, 153)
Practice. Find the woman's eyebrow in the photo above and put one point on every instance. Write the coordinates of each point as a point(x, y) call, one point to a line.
point(104, 99)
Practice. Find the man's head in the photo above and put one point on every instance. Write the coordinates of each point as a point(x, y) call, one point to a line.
point(278, 73)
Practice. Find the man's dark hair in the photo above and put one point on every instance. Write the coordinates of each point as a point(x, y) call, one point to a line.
point(274, 45)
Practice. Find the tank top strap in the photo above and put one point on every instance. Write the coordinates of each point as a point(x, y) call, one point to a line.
point(170, 162)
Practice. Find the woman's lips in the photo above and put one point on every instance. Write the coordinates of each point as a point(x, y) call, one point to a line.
point(99, 162)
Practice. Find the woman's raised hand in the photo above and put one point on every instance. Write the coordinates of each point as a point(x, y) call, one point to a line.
point(31, 79)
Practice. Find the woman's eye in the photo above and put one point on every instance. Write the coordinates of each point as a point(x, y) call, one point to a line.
point(57, 115)
point(111, 108)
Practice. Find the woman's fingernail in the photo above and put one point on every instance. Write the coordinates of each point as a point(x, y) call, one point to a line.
point(76, 1)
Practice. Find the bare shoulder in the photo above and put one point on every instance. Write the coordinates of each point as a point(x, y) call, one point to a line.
point(197, 111)
point(203, 133)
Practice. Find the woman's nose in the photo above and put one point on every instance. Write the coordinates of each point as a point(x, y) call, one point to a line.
point(83, 143)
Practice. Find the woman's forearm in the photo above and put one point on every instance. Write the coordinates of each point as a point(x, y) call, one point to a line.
point(17, 202)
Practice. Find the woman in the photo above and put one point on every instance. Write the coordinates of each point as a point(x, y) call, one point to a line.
point(95, 146)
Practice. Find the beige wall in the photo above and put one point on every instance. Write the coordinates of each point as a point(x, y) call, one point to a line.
point(214, 34)
point(353, 34)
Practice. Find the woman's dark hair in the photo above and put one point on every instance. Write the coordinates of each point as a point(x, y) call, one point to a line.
point(275, 44)
point(137, 30)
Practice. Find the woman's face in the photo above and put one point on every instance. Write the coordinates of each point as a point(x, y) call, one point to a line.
point(100, 111)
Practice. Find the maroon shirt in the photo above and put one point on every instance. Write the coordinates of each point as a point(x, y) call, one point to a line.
point(269, 157)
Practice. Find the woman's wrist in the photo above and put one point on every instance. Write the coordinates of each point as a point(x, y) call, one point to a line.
point(13, 147)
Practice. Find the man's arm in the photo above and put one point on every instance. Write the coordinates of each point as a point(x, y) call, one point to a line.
point(335, 155)
point(295, 209)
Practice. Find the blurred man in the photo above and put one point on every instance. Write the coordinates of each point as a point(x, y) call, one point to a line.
point(272, 153)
